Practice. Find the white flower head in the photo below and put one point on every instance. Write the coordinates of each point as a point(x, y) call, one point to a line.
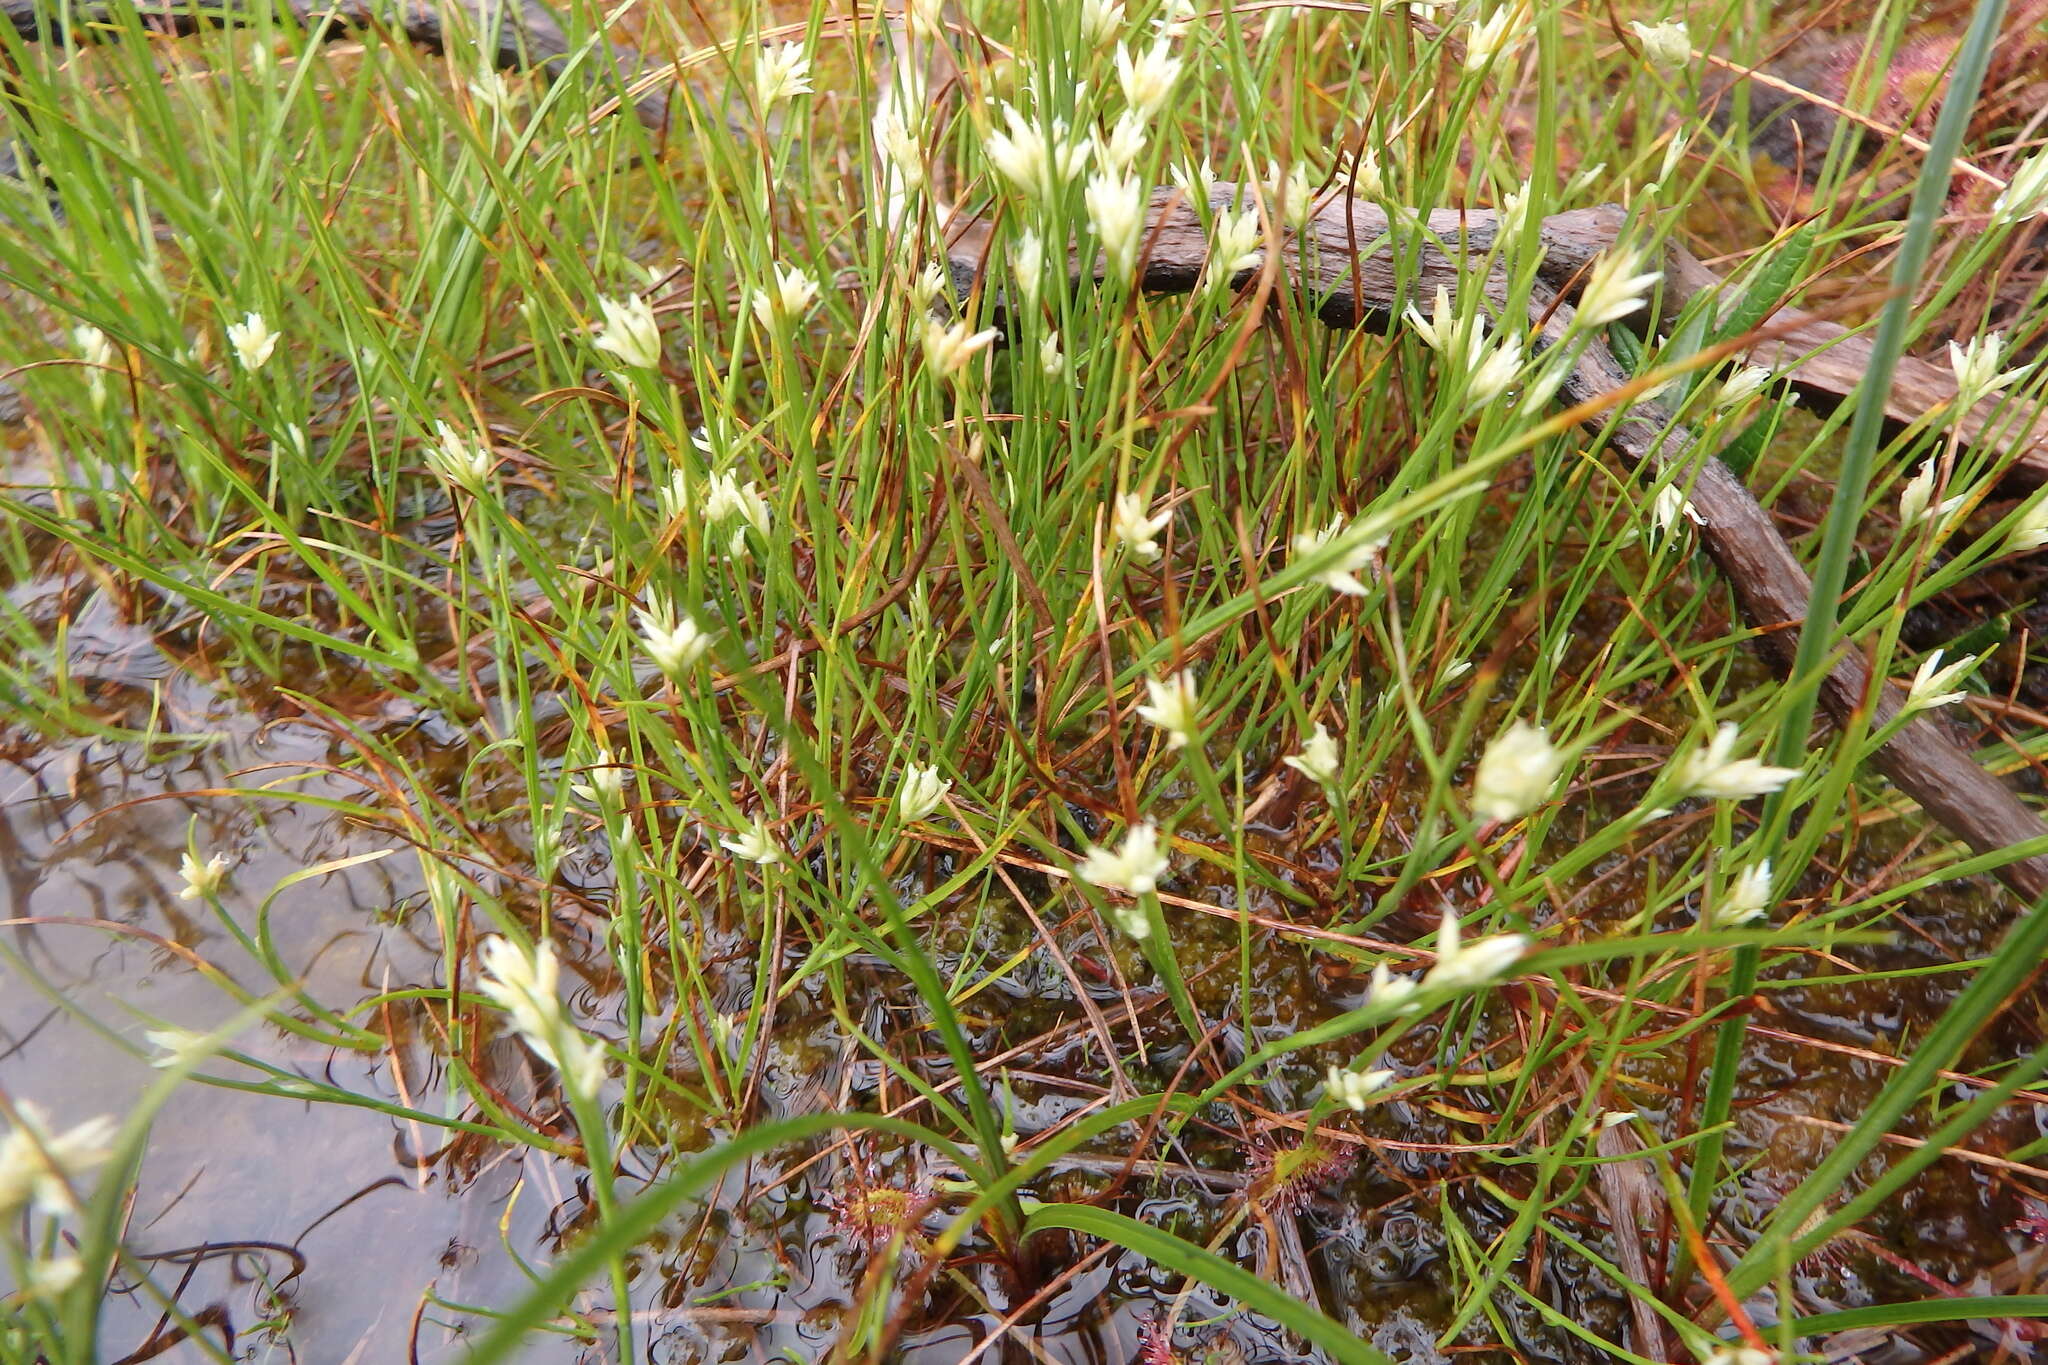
point(1714, 771)
point(1174, 18)
point(1513, 213)
point(780, 73)
point(1615, 287)
point(1355, 1089)
point(1119, 151)
point(1746, 896)
point(2026, 194)
point(174, 1046)
point(1740, 1355)
point(1173, 706)
point(795, 290)
point(1235, 239)
point(1052, 362)
point(253, 341)
point(461, 461)
point(1670, 507)
point(1667, 46)
point(1342, 576)
point(1516, 773)
point(921, 792)
point(1148, 78)
point(1738, 388)
point(94, 346)
point(1027, 263)
point(1292, 191)
point(1976, 368)
point(525, 986)
point(1101, 20)
point(605, 782)
point(931, 282)
point(1134, 867)
point(1194, 182)
point(755, 844)
point(48, 1279)
point(1934, 685)
point(629, 332)
point(1130, 917)
point(1391, 992)
point(898, 144)
point(39, 1164)
point(1116, 211)
point(2030, 530)
point(1497, 36)
point(1439, 331)
point(927, 18)
point(1133, 529)
point(1320, 760)
point(202, 881)
point(675, 642)
point(1497, 368)
point(1468, 966)
point(947, 349)
point(726, 497)
point(1915, 497)
point(1038, 162)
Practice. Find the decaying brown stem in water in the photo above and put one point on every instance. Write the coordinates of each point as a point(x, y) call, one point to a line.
point(1350, 279)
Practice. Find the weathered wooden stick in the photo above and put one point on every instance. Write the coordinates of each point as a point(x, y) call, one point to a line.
point(1349, 277)
point(1824, 361)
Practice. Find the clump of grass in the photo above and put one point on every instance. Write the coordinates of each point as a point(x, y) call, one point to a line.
point(1290, 708)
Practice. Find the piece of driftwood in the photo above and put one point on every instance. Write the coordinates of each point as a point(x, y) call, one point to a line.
point(1823, 361)
point(1349, 277)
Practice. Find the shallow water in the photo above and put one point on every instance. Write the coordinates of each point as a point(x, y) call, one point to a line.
point(345, 1230)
